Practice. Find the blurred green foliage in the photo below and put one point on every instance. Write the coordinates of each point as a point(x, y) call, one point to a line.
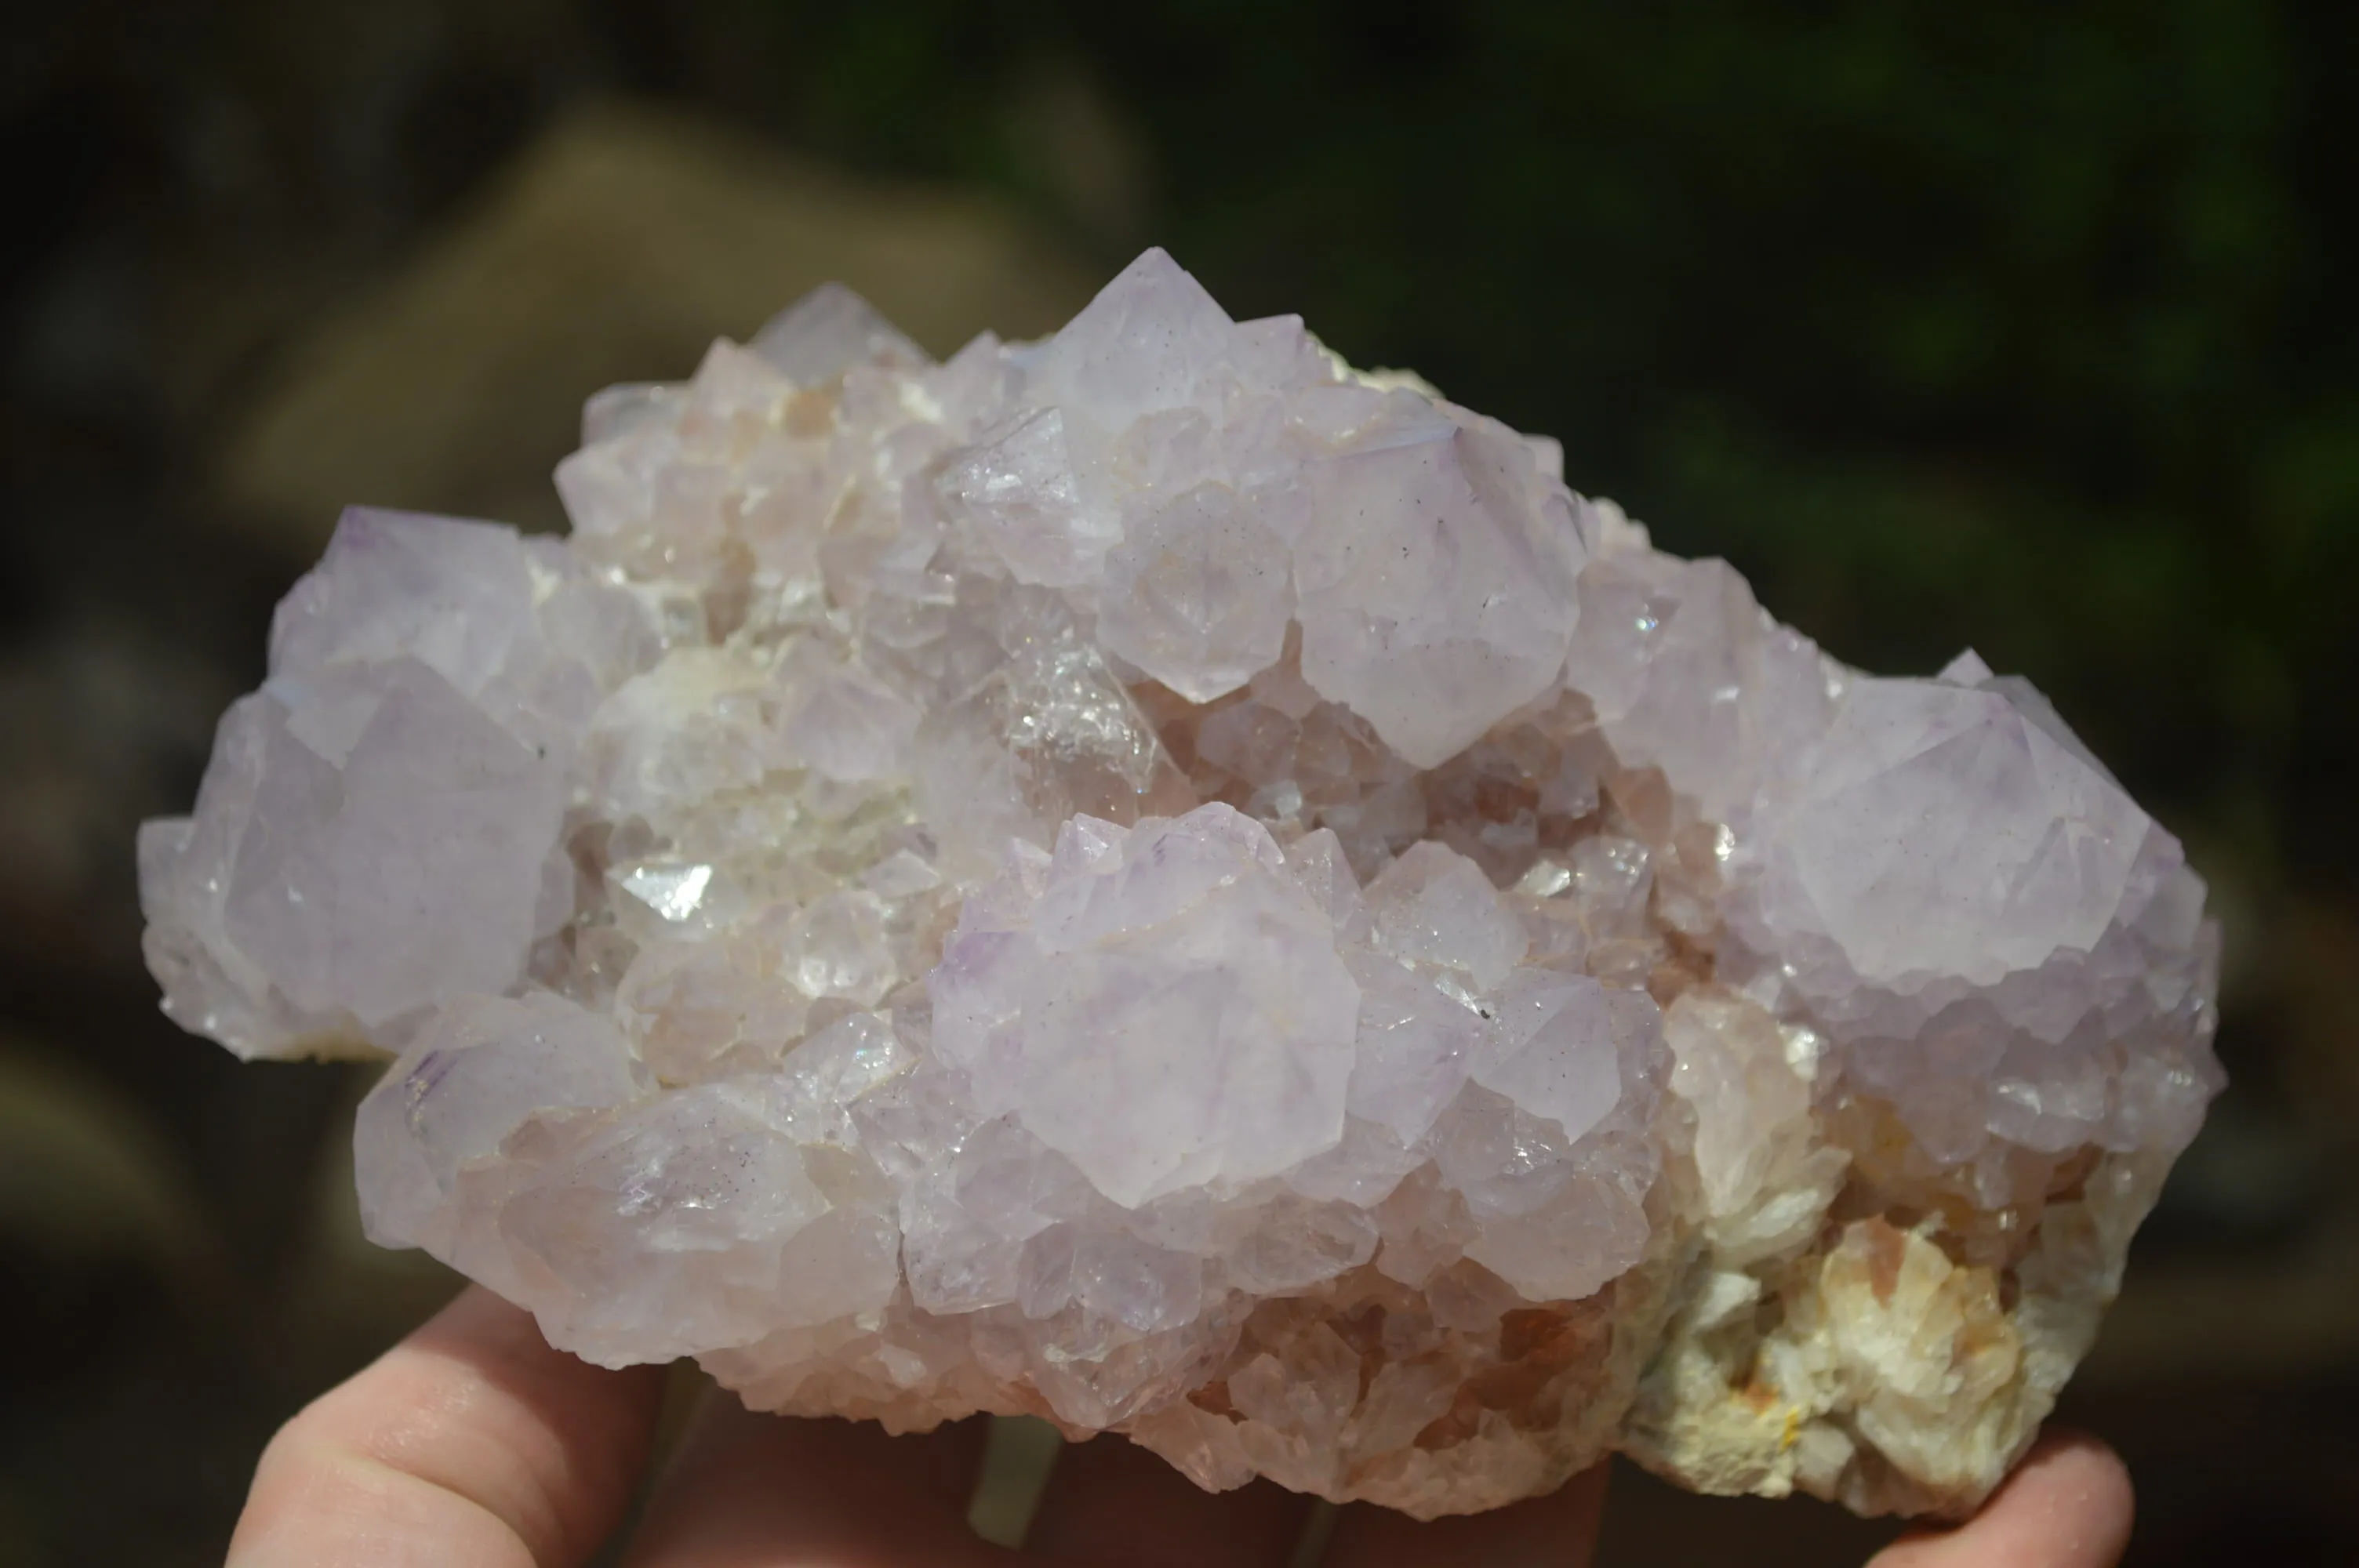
point(2015, 324)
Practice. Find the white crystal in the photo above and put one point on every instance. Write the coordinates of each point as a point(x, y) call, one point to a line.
point(488, 1069)
point(828, 332)
point(1172, 1014)
point(1147, 343)
point(376, 829)
point(2036, 859)
point(1155, 878)
point(1017, 490)
point(1435, 906)
point(1197, 594)
point(1437, 583)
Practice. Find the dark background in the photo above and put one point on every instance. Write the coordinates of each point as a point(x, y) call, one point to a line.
point(2027, 326)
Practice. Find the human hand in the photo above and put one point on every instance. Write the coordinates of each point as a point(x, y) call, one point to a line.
point(471, 1444)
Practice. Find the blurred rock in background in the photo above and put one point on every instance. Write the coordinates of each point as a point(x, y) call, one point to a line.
point(645, 235)
point(2015, 326)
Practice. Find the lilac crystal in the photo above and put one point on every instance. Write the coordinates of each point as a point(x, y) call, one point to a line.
point(1154, 879)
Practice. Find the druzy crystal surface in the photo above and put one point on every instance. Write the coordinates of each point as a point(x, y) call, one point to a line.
point(1158, 881)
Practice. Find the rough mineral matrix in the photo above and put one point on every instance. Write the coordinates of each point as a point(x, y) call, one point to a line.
point(1155, 879)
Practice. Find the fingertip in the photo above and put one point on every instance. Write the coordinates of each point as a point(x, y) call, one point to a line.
point(470, 1443)
point(2069, 1503)
point(2084, 1461)
point(2075, 1478)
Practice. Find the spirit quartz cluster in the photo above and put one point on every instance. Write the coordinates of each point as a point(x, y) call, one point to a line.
point(1158, 881)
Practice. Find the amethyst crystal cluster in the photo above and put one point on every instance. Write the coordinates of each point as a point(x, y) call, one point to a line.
point(1155, 879)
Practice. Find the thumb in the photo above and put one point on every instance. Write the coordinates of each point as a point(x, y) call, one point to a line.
point(2068, 1505)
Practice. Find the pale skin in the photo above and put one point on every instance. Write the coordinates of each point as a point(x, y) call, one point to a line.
point(471, 1444)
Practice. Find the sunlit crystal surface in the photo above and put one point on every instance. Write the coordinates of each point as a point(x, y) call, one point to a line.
point(1157, 881)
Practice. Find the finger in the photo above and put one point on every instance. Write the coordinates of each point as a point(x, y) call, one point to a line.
point(470, 1444)
point(2068, 1505)
point(1559, 1530)
point(1110, 1501)
point(761, 1491)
